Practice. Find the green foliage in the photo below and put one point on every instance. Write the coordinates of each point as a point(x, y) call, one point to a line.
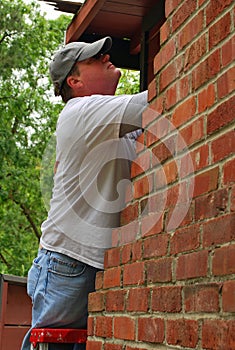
point(28, 117)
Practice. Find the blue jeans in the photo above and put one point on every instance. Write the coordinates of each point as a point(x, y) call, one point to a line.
point(59, 286)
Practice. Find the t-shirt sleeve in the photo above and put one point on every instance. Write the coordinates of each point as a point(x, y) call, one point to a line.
point(132, 117)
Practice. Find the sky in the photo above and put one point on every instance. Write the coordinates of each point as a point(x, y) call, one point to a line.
point(49, 9)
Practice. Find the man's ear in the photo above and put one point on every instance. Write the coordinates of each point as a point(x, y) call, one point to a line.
point(74, 82)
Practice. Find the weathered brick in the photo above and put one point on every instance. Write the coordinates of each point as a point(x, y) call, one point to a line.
point(226, 83)
point(223, 146)
point(211, 205)
point(184, 112)
point(138, 300)
point(93, 345)
point(228, 296)
point(202, 298)
point(190, 30)
point(229, 172)
point(143, 186)
point(206, 182)
point(159, 270)
point(134, 274)
point(96, 301)
point(214, 8)
point(104, 326)
point(167, 299)
point(112, 277)
point(219, 230)
point(182, 13)
point(155, 246)
point(192, 265)
point(129, 214)
point(221, 116)
point(218, 334)
point(112, 257)
point(115, 300)
point(206, 98)
point(219, 30)
point(141, 164)
point(124, 328)
point(185, 239)
point(151, 329)
point(223, 262)
point(151, 224)
point(182, 332)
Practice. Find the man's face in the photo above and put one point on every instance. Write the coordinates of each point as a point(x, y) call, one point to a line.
point(99, 75)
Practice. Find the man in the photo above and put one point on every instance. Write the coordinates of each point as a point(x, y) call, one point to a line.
point(92, 168)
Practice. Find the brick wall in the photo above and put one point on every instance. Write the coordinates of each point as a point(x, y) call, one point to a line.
point(169, 280)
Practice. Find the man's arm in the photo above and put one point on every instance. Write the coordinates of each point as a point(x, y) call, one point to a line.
point(132, 118)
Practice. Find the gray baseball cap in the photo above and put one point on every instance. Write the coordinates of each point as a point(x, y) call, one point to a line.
point(64, 59)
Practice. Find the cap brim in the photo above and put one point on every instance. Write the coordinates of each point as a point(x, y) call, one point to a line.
point(99, 46)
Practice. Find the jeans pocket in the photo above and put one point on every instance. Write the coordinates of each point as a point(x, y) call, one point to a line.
point(65, 266)
point(33, 278)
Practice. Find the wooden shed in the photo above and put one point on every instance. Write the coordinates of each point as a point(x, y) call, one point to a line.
point(15, 311)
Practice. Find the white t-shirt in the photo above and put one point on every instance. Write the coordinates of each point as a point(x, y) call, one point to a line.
point(92, 174)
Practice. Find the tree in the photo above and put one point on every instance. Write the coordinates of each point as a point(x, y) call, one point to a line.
point(28, 117)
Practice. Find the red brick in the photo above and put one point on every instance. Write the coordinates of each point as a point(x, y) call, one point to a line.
point(229, 172)
point(192, 265)
point(157, 130)
point(206, 98)
point(96, 301)
point(214, 8)
point(194, 160)
point(171, 171)
point(90, 325)
point(179, 216)
point(104, 326)
point(182, 13)
point(184, 112)
point(182, 332)
point(206, 70)
point(228, 296)
point(170, 6)
point(141, 164)
point(99, 280)
point(202, 298)
point(93, 345)
point(112, 257)
point(152, 89)
point(108, 346)
point(129, 214)
point(206, 181)
point(221, 116)
point(138, 299)
point(169, 74)
point(233, 197)
point(126, 253)
point(165, 55)
point(226, 83)
point(134, 274)
point(159, 270)
point(143, 186)
point(223, 262)
point(164, 32)
point(151, 224)
point(112, 277)
point(164, 150)
point(219, 230)
point(155, 246)
point(115, 300)
point(223, 146)
point(124, 328)
point(129, 232)
point(190, 30)
point(151, 329)
point(171, 96)
point(211, 205)
point(185, 239)
point(228, 52)
point(137, 251)
point(219, 30)
point(195, 52)
point(192, 133)
point(183, 87)
point(218, 334)
point(167, 299)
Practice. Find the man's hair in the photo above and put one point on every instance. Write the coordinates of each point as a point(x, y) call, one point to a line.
point(66, 91)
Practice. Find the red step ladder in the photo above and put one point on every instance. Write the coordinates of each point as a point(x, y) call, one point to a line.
point(40, 337)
